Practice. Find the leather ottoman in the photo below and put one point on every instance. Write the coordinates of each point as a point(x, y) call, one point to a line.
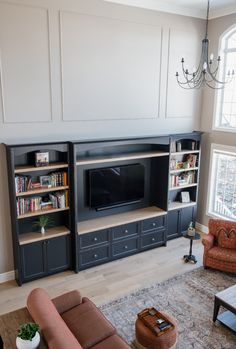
point(146, 339)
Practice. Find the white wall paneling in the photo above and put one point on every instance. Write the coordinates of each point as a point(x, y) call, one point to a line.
point(25, 63)
point(110, 68)
point(181, 103)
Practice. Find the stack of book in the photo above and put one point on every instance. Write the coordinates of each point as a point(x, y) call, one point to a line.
point(21, 183)
point(183, 179)
point(58, 179)
point(59, 199)
point(26, 205)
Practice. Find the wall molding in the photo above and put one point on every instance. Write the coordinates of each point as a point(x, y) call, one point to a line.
point(201, 227)
point(8, 276)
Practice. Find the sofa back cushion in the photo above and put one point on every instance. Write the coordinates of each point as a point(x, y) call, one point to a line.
point(54, 329)
point(227, 238)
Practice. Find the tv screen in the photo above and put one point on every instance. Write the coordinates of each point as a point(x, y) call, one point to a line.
point(116, 186)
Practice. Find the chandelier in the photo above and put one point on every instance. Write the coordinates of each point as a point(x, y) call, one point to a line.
point(207, 71)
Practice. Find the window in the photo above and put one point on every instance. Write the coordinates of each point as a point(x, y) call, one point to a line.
point(225, 118)
point(222, 184)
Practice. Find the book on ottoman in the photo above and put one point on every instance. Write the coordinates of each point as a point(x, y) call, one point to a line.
point(155, 321)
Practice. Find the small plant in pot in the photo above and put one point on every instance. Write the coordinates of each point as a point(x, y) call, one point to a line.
point(43, 222)
point(28, 336)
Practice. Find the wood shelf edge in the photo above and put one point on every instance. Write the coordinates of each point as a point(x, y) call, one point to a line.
point(50, 233)
point(183, 186)
point(119, 219)
point(41, 190)
point(41, 212)
point(22, 169)
point(177, 205)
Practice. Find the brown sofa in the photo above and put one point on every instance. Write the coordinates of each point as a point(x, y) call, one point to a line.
point(220, 245)
point(72, 322)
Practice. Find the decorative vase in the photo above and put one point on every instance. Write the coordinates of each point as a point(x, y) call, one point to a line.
point(27, 344)
point(191, 231)
point(42, 230)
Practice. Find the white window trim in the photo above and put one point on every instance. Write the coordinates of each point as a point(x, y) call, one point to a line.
point(227, 150)
point(217, 92)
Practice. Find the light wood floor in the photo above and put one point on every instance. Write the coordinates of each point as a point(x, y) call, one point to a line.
point(111, 280)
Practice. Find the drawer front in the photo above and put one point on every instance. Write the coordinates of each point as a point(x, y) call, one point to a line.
point(93, 239)
point(124, 231)
point(124, 247)
point(153, 239)
point(153, 224)
point(94, 255)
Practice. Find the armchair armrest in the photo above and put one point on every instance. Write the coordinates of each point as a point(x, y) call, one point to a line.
point(67, 301)
point(208, 241)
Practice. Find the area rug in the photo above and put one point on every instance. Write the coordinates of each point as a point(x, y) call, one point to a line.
point(189, 298)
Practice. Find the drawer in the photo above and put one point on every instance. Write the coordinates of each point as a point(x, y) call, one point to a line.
point(124, 247)
point(94, 255)
point(93, 239)
point(123, 231)
point(153, 223)
point(153, 239)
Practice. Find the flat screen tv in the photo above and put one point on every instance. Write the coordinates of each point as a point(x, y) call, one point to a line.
point(116, 186)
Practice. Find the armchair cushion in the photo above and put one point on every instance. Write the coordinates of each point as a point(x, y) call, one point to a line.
point(222, 254)
point(227, 239)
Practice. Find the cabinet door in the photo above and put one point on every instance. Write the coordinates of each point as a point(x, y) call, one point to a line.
point(187, 215)
point(58, 253)
point(33, 260)
point(173, 224)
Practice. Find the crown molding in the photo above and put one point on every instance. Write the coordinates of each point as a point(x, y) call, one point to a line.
point(163, 6)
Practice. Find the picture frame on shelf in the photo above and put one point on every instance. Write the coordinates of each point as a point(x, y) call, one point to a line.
point(185, 197)
point(41, 159)
point(45, 181)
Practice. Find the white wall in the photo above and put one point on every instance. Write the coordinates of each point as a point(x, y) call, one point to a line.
point(72, 69)
point(216, 28)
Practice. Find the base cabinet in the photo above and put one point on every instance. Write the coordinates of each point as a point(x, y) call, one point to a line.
point(178, 221)
point(45, 257)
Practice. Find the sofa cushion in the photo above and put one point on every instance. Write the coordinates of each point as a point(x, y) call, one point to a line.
point(54, 329)
point(88, 324)
point(113, 342)
point(227, 238)
point(67, 301)
point(222, 254)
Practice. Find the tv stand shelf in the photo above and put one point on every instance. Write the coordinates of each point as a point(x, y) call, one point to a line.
point(119, 219)
point(128, 156)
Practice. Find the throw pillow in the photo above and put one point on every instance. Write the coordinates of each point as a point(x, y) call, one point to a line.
point(227, 239)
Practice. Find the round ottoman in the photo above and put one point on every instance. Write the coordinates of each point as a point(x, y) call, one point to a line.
point(146, 339)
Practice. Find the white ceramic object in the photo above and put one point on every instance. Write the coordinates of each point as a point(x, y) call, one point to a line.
point(42, 230)
point(26, 344)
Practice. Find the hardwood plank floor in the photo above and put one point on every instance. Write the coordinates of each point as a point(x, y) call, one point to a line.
point(111, 280)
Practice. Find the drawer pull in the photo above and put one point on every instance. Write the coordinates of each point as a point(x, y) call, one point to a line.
point(153, 224)
point(95, 255)
point(95, 239)
point(153, 239)
point(125, 247)
point(126, 231)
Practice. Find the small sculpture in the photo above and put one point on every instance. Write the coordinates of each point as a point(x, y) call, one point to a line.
point(191, 229)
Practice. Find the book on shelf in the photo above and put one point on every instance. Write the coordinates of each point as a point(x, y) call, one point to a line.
point(59, 199)
point(184, 178)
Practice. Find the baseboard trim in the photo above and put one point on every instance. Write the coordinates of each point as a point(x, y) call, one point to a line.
point(201, 227)
point(4, 277)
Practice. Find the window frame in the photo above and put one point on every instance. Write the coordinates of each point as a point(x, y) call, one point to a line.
point(219, 94)
point(224, 149)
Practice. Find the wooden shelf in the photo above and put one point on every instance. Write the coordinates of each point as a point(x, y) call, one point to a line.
point(109, 158)
point(42, 190)
point(37, 236)
point(182, 152)
point(41, 212)
point(118, 219)
point(53, 166)
point(184, 186)
point(176, 205)
point(184, 170)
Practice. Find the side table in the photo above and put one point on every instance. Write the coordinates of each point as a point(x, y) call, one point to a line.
point(190, 257)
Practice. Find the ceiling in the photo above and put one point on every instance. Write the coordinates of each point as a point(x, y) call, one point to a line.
point(194, 8)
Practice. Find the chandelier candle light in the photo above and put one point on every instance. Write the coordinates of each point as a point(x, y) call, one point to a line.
point(206, 73)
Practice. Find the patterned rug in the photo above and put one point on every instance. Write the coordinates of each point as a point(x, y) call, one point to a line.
point(189, 298)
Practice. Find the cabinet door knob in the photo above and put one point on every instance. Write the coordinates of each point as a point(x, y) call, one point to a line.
point(95, 255)
point(153, 224)
point(125, 247)
point(153, 239)
point(126, 231)
point(95, 239)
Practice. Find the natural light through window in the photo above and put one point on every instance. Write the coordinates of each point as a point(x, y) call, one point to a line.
point(222, 185)
point(225, 117)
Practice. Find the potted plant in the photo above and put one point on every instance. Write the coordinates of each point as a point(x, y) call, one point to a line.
point(28, 336)
point(43, 222)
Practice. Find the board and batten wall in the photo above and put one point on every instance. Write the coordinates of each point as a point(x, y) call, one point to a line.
point(76, 69)
point(217, 27)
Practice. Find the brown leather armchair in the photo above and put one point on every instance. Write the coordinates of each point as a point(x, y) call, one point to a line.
point(220, 245)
